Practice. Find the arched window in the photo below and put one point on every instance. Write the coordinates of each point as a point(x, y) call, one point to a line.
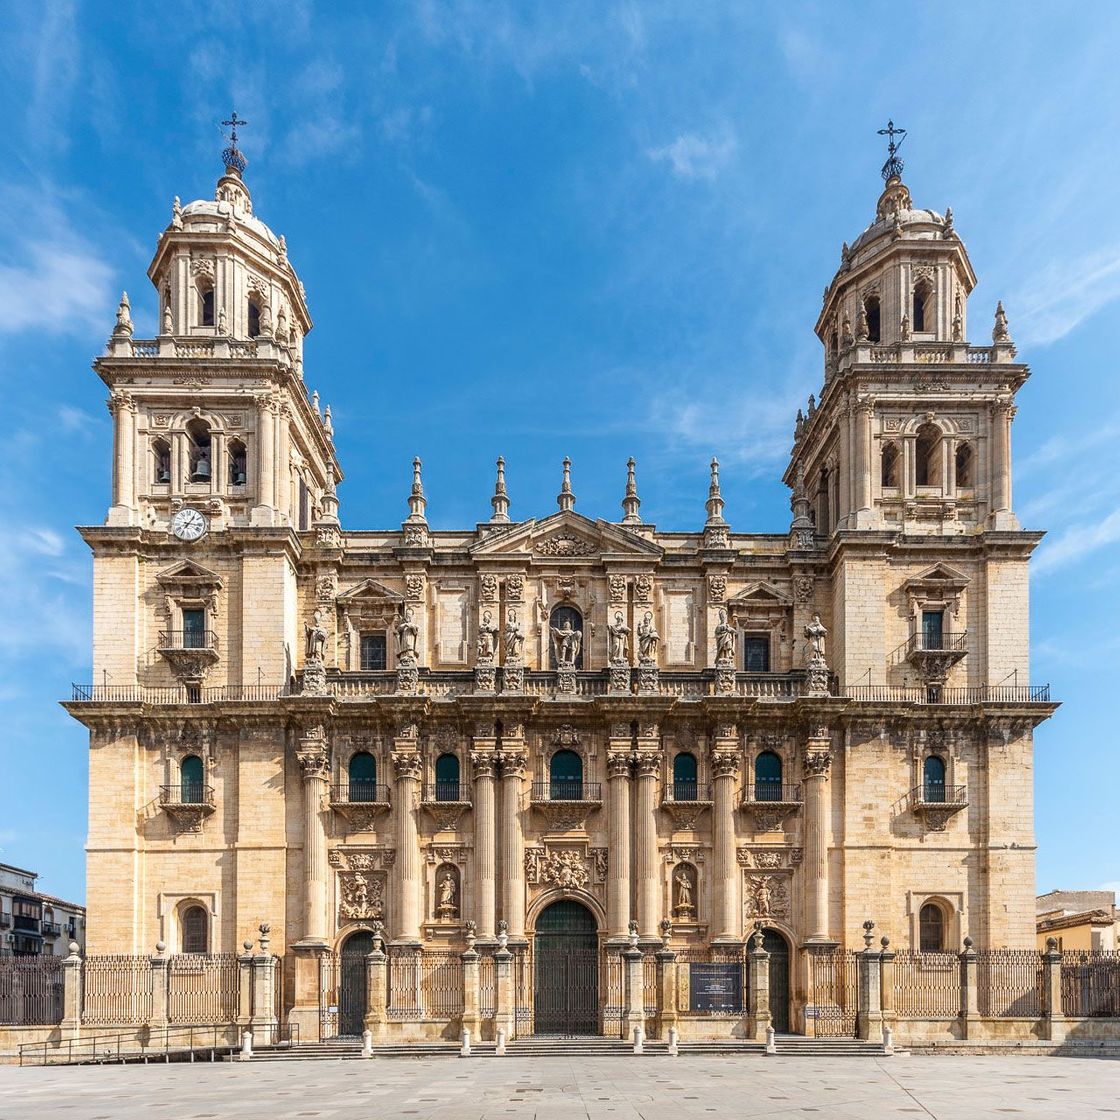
point(874, 328)
point(565, 776)
point(237, 463)
point(684, 777)
point(191, 780)
point(198, 438)
point(964, 465)
point(447, 778)
point(254, 317)
point(931, 928)
point(768, 777)
point(933, 779)
point(890, 464)
point(195, 928)
point(566, 632)
point(161, 461)
point(927, 456)
point(362, 773)
point(921, 318)
point(206, 307)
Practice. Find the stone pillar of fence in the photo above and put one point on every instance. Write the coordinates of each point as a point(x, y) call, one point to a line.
point(758, 1011)
point(245, 984)
point(158, 980)
point(869, 1020)
point(632, 965)
point(263, 1009)
point(666, 982)
point(970, 1002)
point(887, 981)
point(1053, 1019)
point(505, 1013)
point(377, 991)
point(72, 993)
point(472, 995)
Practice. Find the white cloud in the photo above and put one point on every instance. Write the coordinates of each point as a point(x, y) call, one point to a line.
point(1077, 542)
point(696, 157)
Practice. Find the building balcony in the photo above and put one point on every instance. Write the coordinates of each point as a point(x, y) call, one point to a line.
point(1015, 695)
point(446, 802)
point(360, 803)
point(685, 801)
point(51, 929)
point(936, 803)
point(188, 804)
point(189, 652)
point(933, 655)
point(566, 805)
point(770, 802)
point(5, 921)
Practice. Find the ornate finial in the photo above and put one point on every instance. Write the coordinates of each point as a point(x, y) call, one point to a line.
point(892, 169)
point(176, 213)
point(500, 500)
point(470, 934)
point(967, 943)
point(123, 329)
point(868, 936)
point(566, 500)
point(631, 502)
point(233, 159)
point(417, 503)
point(264, 929)
point(503, 934)
point(315, 403)
point(666, 932)
point(633, 933)
point(328, 423)
point(948, 230)
point(714, 504)
point(1000, 333)
point(885, 942)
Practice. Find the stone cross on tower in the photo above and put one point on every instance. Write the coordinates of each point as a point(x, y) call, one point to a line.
point(233, 158)
point(892, 169)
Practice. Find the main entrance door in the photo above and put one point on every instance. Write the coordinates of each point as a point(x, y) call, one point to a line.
point(775, 944)
point(566, 971)
point(352, 982)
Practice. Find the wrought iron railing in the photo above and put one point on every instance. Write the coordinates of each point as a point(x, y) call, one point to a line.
point(937, 793)
point(927, 985)
point(175, 694)
point(1009, 983)
point(563, 790)
point(360, 793)
point(687, 791)
point(761, 792)
point(188, 639)
point(186, 793)
point(977, 694)
point(454, 792)
point(945, 642)
point(30, 990)
point(203, 989)
point(51, 929)
point(1091, 984)
point(150, 1043)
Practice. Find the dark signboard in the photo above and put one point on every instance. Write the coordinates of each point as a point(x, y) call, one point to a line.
point(715, 987)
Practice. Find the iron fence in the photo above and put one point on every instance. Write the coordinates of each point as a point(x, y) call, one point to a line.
point(927, 985)
point(716, 980)
point(833, 1003)
point(30, 991)
point(117, 988)
point(203, 989)
point(406, 983)
point(442, 984)
point(1091, 984)
point(1009, 983)
point(487, 986)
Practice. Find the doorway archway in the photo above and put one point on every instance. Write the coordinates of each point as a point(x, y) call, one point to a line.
point(566, 970)
point(778, 948)
point(352, 983)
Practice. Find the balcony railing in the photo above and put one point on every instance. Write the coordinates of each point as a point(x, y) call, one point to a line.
point(678, 792)
point(945, 642)
point(562, 790)
point(772, 793)
point(5, 921)
point(174, 694)
point(186, 794)
point(188, 639)
point(937, 793)
point(52, 929)
point(453, 793)
point(921, 694)
point(359, 793)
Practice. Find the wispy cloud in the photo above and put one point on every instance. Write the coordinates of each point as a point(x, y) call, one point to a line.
point(1076, 543)
point(692, 156)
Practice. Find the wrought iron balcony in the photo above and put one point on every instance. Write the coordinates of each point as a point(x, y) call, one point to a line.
point(5, 921)
point(187, 803)
point(446, 802)
point(770, 802)
point(360, 803)
point(934, 654)
point(685, 801)
point(936, 803)
point(188, 639)
point(978, 694)
point(563, 790)
point(189, 653)
point(51, 929)
point(565, 804)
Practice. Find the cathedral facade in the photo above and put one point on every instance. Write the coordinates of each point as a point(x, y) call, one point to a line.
point(559, 733)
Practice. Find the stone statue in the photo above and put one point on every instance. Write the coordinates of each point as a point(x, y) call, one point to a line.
point(221, 321)
point(685, 904)
point(167, 324)
point(316, 637)
point(648, 638)
point(763, 897)
point(816, 633)
point(726, 637)
point(567, 642)
point(408, 635)
point(514, 638)
point(619, 641)
point(447, 906)
point(487, 638)
point(266, 317)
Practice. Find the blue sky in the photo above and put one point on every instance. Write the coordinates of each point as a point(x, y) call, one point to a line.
point(539, 229)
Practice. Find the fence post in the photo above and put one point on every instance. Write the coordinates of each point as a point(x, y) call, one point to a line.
point(1053, 1018)
point(887, 982)
point(472, 999)
point(245, 984)
point(758, 964)
point(666, 982)
point(970, 1006)
point(635, 1002)
point(504, 1012)
point(263, 1014)
point(72, 993)
point(869, 1017)
point(158, 981)
point(377, 990)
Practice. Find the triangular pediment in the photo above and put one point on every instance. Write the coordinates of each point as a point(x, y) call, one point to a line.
point(760, 594)
point(566, 536)
point(369, 590)
point(186, 573)
point(940, 576)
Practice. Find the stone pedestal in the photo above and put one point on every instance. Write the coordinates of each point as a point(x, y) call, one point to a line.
point(72, 993)
point(758, 1009)
point(635, 1004)
point(158, 1018)
point(377, 994)
point(1053, 1018)
point(505, 1013)
point(869, 1022)
point(667, 1011)
point(970, 1004)
point(472, 995)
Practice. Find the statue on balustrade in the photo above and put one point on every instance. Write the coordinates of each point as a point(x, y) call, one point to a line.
point(619, 638)
point(316, 636)
point(514, 638)
point(566, 641)
point(408, 637)
point(726, 637)
point(648, 638)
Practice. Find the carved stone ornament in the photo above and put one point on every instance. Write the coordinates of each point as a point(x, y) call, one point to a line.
point(484, 764)
point(767, 896)
point(515, 586)
point(803, 588)
point(684, 893)
point(564, 868)
point(685, 814)
point(725, 764)
point(566, 736)
point(326, 587)
point(565, 544)
point(616, 585)
point(717, 589)
point(414, 587)
point(361, 896)
point(446, 815)
point(643, 589)
point(407, 765)
point(488, 588)
point(817, 763)
point(600, 861)
point(362, 859)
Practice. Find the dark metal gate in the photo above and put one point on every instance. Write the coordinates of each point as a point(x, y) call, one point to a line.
point(833, 1005)
point(775, 944)
point(566, 971)
point(352, 983)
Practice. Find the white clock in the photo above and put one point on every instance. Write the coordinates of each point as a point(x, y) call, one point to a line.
point(188, 524)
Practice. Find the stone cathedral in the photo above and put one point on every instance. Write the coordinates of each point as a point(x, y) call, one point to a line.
point(558, 733)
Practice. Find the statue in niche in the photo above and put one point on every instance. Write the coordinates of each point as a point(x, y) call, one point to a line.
point(316, 636)
point(487, 638)
point(566, 640)
point(686, 893)
point(619, 638)
point(816, 632)
point(726, 637)
point(408, 636)
point(222, 321)
point(763, 896)
point(447, 903)
point(648, 638)
point(514, 638)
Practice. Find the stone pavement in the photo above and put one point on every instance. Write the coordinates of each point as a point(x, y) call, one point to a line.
point(947, 1088)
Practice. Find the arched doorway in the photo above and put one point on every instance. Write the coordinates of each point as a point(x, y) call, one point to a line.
point(352, 983)
point(778, 948)
point(566, 970)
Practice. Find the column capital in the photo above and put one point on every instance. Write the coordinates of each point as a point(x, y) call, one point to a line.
point(484, 763)
point(406, 765)
point(314, 760)
point(513, 763)
point(817, 763)
point(619, 764)
point(725, 763)
point(647, 764)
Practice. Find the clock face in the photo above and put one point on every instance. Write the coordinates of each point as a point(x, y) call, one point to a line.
point(188, 524)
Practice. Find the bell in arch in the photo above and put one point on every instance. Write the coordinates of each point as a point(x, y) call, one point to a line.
point(202, 470)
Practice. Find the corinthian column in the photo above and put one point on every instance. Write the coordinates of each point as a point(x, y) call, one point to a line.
point(123, 408)
point(726, 909)
point(407, 770)
point(314, 761)
point(619, 765)
point(815, 766)
point(483, 764)
point(647, 763)
point(865, 408)
point(266, 460)
point(1003, 412)
point(514, 762)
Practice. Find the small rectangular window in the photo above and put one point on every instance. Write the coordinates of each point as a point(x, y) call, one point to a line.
point(933, 635)
point(756, 653)
point(373, 652)
point(194, 628)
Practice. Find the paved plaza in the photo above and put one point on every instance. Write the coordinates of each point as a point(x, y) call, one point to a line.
point(562, 1088)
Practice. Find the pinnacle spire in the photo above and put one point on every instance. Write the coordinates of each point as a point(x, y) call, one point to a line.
point(631, 502)
point(417, 503)
point(500, 500)
point(124, 318)
point(1000, 330)
point(714, 504)
point(566, 500)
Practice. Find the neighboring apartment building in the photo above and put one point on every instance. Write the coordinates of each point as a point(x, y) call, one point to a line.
point(1078, 920)
point(34, 924)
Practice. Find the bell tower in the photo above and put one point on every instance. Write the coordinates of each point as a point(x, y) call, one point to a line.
point(912, 430)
